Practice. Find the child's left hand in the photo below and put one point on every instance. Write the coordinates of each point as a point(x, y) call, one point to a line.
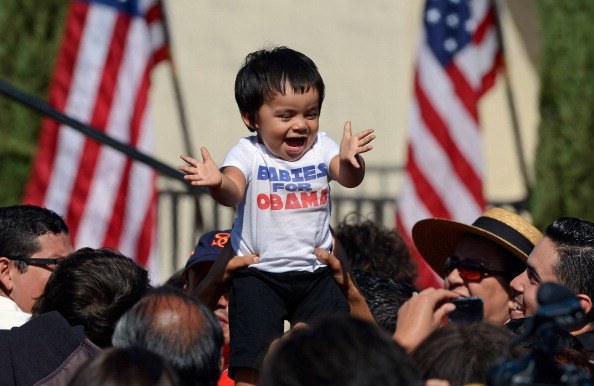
point(352, 145)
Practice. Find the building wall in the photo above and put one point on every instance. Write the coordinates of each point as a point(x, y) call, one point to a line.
point(365, 51)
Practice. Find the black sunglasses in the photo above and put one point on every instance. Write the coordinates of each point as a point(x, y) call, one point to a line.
point(37, 260)
point(470, 269)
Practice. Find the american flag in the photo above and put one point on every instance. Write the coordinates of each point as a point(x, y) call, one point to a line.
point(458, 58)
point(102, 78)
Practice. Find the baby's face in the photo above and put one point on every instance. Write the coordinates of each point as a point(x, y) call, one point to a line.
point(288, 124)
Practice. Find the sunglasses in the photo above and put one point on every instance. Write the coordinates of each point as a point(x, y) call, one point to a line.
point(471, 270)
point(38, 260)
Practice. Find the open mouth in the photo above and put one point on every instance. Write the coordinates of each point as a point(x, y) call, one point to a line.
point(295, 143)
point(516, 310)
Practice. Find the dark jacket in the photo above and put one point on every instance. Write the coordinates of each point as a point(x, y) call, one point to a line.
point(44, 351)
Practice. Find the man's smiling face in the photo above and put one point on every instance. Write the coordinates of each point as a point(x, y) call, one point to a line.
point(540, 269)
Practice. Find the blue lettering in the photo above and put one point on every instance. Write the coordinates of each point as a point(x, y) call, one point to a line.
point(262, 173)
point(273, 174)
point(303, 186)
point(297, 174)
point(277, 185)
point(291, 187)
point(284, 175)
point(323, 171)
point(309, 172)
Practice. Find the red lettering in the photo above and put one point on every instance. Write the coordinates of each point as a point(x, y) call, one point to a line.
point(309, 199)
point(324, 197)
point(292, 202)
point(263, 201)
point(276, 202)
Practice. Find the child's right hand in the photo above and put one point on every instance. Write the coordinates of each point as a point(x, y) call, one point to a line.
point(205, 173)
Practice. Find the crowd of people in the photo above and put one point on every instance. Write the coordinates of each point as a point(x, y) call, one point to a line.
point(282, 298)
point(94, 318)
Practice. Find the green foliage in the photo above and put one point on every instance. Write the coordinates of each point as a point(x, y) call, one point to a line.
point(564, 170)
point(31, 31)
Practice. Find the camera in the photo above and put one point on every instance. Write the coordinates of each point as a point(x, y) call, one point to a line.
point(546, 334)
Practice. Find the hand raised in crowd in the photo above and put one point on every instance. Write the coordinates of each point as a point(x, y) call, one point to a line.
point(352, 145)
point(338, 264)
point(218, 279)
point(205, 173)
point(421, 315)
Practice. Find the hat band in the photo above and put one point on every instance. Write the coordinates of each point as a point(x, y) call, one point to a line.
point(505, 232)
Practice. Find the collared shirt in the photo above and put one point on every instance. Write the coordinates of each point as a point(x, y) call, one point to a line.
point(11, 315)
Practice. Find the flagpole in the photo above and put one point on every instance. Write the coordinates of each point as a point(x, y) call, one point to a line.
point(512, 109)
point(181, 110)
point(99, 136)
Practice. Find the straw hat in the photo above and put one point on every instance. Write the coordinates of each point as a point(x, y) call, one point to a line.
point(437, 238)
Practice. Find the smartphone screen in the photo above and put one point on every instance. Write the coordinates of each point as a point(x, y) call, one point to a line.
point(467, 310)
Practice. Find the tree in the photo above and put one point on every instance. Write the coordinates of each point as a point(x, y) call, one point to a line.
point(564, 167)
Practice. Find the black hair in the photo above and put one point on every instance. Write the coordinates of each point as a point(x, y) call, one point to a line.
point(338, 350)
point(573, 240)
point(190, 341)
point(93, 288)
point(461, 353)
point(265, 73)
point(384, 296)
point(21, 225)
point(132, 366)
point(373, 248)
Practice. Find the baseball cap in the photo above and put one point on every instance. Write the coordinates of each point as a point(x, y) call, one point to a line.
point(209, 247)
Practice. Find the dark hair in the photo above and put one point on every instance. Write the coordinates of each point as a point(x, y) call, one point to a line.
point(133, 366)
point(21, 225)
point(338, 351)
point(265, 73)
point(573, 240)
point(373, 248)
point(190, 338)
point(93, 288)
point(384, 296)
point(461, 353)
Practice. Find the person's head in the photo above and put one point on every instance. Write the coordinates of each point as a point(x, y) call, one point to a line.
point(338, 350)
point(209, 248)
point(461, 353)
point(566, 256)
point(373, 248)
point(93, 288)
point(384, 296)
point(479, 259)
point(32, 238)
point(279, 93)
point(133, 366)
point(180, 329)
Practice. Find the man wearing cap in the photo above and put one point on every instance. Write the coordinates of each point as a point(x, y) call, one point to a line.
point(207, 251)
point(565, 255)
point(479, 259)
point(32, 242)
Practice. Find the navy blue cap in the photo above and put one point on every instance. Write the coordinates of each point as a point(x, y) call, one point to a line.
point(209, 247)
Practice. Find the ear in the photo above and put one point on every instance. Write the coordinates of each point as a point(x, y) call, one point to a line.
point(246, 119)
point(5, 274)
point(585, 302)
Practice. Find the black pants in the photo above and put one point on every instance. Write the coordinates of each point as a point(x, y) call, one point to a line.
point(260, 301)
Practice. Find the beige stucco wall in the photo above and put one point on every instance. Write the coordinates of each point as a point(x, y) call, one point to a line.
point(365, 50)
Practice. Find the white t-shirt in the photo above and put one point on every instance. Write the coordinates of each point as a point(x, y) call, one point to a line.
point(285, 213)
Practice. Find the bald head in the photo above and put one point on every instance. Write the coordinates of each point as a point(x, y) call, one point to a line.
point(180, 329)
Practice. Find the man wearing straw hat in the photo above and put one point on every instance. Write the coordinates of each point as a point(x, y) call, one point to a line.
point(479, 259)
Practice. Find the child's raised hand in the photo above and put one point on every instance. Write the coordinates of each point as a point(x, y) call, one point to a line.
point(351, 145)
point(205, 173)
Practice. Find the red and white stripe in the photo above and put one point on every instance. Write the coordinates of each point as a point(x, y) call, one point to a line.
point(444, 167)
point(102, 78)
